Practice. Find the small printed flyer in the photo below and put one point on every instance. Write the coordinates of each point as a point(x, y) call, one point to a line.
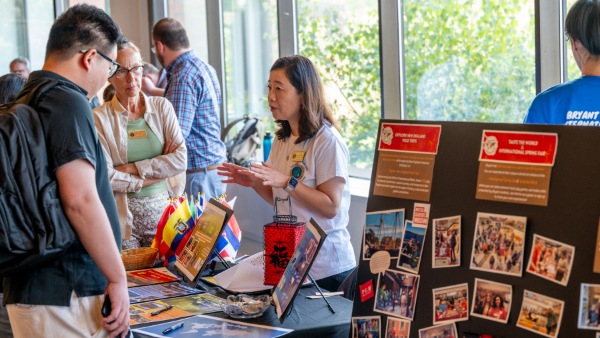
point(406, 159)
point(515, 167)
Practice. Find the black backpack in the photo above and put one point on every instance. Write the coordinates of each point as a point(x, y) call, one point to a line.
point(241, 148)
point(33, 226)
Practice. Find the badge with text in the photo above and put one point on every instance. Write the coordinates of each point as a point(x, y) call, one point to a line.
point(406, 159)
point(136, 134)
point(298, 156)
point(515, 167)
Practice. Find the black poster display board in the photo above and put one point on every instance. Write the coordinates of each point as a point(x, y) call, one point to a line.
point(571, 217)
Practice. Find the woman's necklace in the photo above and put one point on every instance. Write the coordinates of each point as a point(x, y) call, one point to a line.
point(290, 147)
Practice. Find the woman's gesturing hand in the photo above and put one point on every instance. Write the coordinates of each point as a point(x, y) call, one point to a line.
point(236, 174)
point(269, 176)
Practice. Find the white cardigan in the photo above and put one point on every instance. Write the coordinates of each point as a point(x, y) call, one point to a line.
point(111, 124)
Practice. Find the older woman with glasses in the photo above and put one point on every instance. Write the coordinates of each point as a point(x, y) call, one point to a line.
point(144, 148)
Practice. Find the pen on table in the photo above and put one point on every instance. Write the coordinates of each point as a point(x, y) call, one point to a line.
point(173, 328)
point(154, 313)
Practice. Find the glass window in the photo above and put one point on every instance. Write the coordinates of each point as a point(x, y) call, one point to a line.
point(342, 38)
point(192, 14)
point(25, 25)
point(469, 60)
point(250, 40)
point(573, 71)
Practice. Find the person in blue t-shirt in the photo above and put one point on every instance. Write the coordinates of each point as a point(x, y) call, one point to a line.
point(575, 102)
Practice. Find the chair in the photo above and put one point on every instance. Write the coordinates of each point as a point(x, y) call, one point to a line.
point(349, 284)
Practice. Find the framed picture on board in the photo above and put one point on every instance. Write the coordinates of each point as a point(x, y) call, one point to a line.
point(450, 304)
point(383, 232)
point(297, 269)
point(551, 260)
point(498, 244)
point(491, 300)
point(446, 242)
point(589, 307)
point(396, 293)
point(193, 257)
point(367, 326)
point(541, 314)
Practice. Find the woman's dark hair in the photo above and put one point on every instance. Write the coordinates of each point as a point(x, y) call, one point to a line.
point(583, 24)
point(10, 85)
point(314, 110)
point(494, 301)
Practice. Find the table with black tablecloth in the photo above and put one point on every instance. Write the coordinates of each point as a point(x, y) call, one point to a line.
point(308, 317)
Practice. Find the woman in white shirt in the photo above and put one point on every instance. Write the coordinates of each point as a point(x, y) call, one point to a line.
point(144, 148)
point(308, 162)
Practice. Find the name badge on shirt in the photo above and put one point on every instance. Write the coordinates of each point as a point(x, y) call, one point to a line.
point(298, 156)
point(135, 134)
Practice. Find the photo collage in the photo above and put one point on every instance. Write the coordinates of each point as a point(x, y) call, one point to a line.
point(498, 248)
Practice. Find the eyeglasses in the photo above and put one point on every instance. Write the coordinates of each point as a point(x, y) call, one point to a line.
point(123, 72)
point(114, 65)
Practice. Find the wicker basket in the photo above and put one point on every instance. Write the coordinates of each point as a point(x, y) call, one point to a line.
point(140, 258)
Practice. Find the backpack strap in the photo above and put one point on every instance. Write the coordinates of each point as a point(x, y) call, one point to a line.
point(230, 125)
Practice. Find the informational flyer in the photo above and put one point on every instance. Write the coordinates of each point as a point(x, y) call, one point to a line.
point(406, 159)
point(203, 326)
point(159, 291)
point(515, 167)
point(173, 308)
point(150, 276)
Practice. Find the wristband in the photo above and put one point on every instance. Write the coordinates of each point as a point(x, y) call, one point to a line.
point(291, 184)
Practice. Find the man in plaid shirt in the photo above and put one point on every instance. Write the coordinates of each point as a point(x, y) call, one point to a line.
point(193, 89)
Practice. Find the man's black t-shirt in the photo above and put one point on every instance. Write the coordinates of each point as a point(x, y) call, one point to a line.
point(70, 135)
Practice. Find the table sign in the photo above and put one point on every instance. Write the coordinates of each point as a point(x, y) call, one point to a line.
point(406, 159)
point(515, 167)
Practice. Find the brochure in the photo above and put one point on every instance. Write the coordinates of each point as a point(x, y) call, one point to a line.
point(181, 307)
point(150, 276)
point(200, 326)
point(159, 291)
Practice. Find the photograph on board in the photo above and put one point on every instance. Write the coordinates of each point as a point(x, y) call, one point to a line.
point(498, 244)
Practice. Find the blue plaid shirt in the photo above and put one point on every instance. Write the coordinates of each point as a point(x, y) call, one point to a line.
point(193, 89)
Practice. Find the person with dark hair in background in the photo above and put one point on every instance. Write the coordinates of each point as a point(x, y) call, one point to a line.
point(144, 149)
point(64, 297)
point(108, 93)
point(20, 66)
point(10, 86)
point(193, 89)
point(575, 102)
point(308, 162)
point(498, 310)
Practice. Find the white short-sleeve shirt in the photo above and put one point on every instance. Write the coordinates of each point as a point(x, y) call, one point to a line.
point(326, 156)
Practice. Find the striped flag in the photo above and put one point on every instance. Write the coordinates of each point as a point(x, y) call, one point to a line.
point(229, 241)
point(176, 232)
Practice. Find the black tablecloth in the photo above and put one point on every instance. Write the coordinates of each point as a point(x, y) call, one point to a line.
point(308, 317)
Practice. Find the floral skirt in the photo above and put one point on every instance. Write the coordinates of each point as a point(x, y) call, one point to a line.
point(146, 213)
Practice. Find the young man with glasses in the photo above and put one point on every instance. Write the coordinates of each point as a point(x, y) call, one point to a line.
point(64, 297)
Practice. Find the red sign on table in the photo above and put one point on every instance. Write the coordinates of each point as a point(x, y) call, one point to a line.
point(517, 147)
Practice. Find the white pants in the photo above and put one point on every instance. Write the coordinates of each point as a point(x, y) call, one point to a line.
point(81, 319)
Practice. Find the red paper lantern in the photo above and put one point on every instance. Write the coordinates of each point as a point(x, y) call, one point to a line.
point(281, 239)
